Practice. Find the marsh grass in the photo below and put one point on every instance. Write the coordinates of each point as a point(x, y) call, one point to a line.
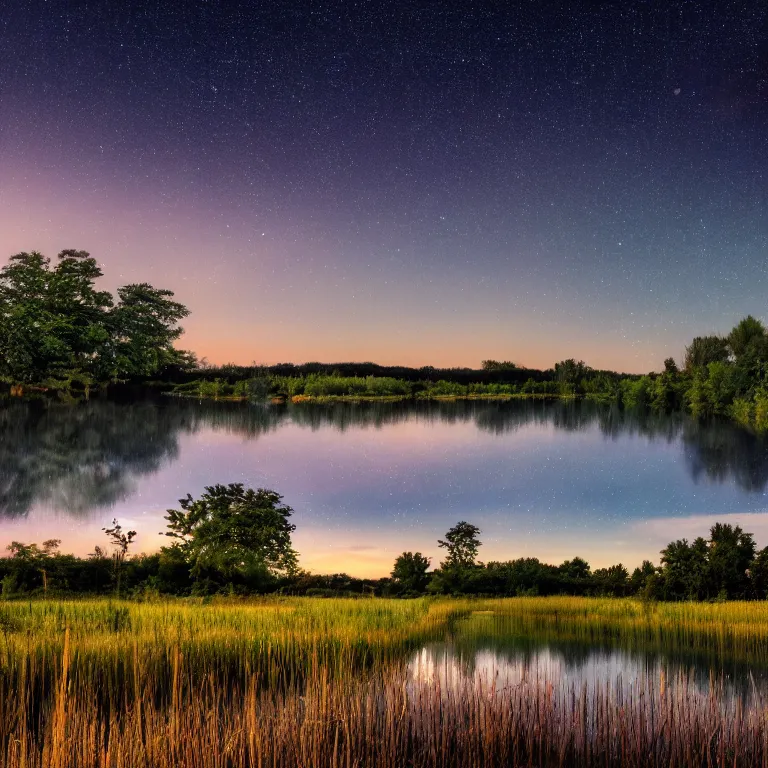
point(314, 682)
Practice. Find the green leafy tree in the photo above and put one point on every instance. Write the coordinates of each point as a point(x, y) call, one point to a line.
point(53, 321)
point(664, 392)
point(578, 568)
point(670, 366)
point(410, 572)
point(636, 393)
point(640, 576)
point(30, 564)
point(758, 574)
point(613, 580)
point(685, 570)
point(462, 545)
point(704, 350)
point(57, 329)
point(748, 336)
point(731, 553)
point(146, 324)
point(234, 531)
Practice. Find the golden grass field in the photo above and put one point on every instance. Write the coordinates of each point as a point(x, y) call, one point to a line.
point(324, 682)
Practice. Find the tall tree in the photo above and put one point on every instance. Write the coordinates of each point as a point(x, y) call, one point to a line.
point(57, 328)
point(32, 334)
point(234, 531)
point(121, 541)
point(704, 350)
point(84, 310)
point(670, 366)
point(748, 335)
point(731, 552)
point(145, 323)
point(462, 544)
point(410, 572)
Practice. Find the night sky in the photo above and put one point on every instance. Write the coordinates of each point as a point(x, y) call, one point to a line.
point(420, 183)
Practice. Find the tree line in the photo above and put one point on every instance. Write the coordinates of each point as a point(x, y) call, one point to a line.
point(724, 376)
point(233, 540)
point(720, 376)
point(59, 331)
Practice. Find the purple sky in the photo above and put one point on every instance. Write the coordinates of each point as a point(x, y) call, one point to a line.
point(424, 184)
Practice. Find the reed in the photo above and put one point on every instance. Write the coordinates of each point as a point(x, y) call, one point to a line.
point(736, 628)
point(314, 682)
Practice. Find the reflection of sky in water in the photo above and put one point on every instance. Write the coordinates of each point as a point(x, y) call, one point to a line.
point(544, 480)
point(621, 672)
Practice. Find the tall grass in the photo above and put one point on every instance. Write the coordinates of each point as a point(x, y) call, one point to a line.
point(735, 628)
point(303, 682)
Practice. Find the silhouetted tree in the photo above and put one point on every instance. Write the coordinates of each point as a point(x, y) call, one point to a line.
point(670, 366)
point(410, 572)
point(121, 541)
point(613, 580)
point(748, 335)
point(704, 350)
point(462, 545)
point(731, 552)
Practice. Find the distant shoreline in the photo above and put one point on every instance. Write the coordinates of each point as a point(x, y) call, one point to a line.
point(299, 399)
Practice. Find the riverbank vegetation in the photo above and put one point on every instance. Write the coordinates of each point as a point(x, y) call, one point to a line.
point(237, 541)
point(59, 333)
point(724, 376)
point(330, 387)
point(297, 681)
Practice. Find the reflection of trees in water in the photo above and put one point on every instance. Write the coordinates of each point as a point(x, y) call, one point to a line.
point(78, 458)
point(87, 456)
point(717, 450)
point(531, 654)
point(724, 453)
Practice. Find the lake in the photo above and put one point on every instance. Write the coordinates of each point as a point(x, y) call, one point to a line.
point(550, 479)
point(495, 654)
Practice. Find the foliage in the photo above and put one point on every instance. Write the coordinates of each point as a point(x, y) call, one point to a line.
point(722, 376)
point(57, 329)
point(748, 336)
point(409, 573)
point(462, 544)
point(233, 532)
point(704, 350)
point(145, 323)
point(284, 682)
point(121, 542)
point(709, 568)
point(237, 540)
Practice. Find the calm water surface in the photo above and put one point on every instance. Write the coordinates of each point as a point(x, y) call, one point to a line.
point(366, 481)
point(489, 653)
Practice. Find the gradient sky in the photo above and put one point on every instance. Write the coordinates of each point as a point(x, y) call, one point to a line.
point(415, 183)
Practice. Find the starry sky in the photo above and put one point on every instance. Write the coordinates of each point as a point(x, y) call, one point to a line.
point(409, 183)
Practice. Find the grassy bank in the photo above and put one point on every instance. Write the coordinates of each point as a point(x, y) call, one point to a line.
point(318, 682)
point(420, 396)
point(334, 388)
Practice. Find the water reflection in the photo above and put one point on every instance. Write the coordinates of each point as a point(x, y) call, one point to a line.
point(93, 455)
point(502, 661)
